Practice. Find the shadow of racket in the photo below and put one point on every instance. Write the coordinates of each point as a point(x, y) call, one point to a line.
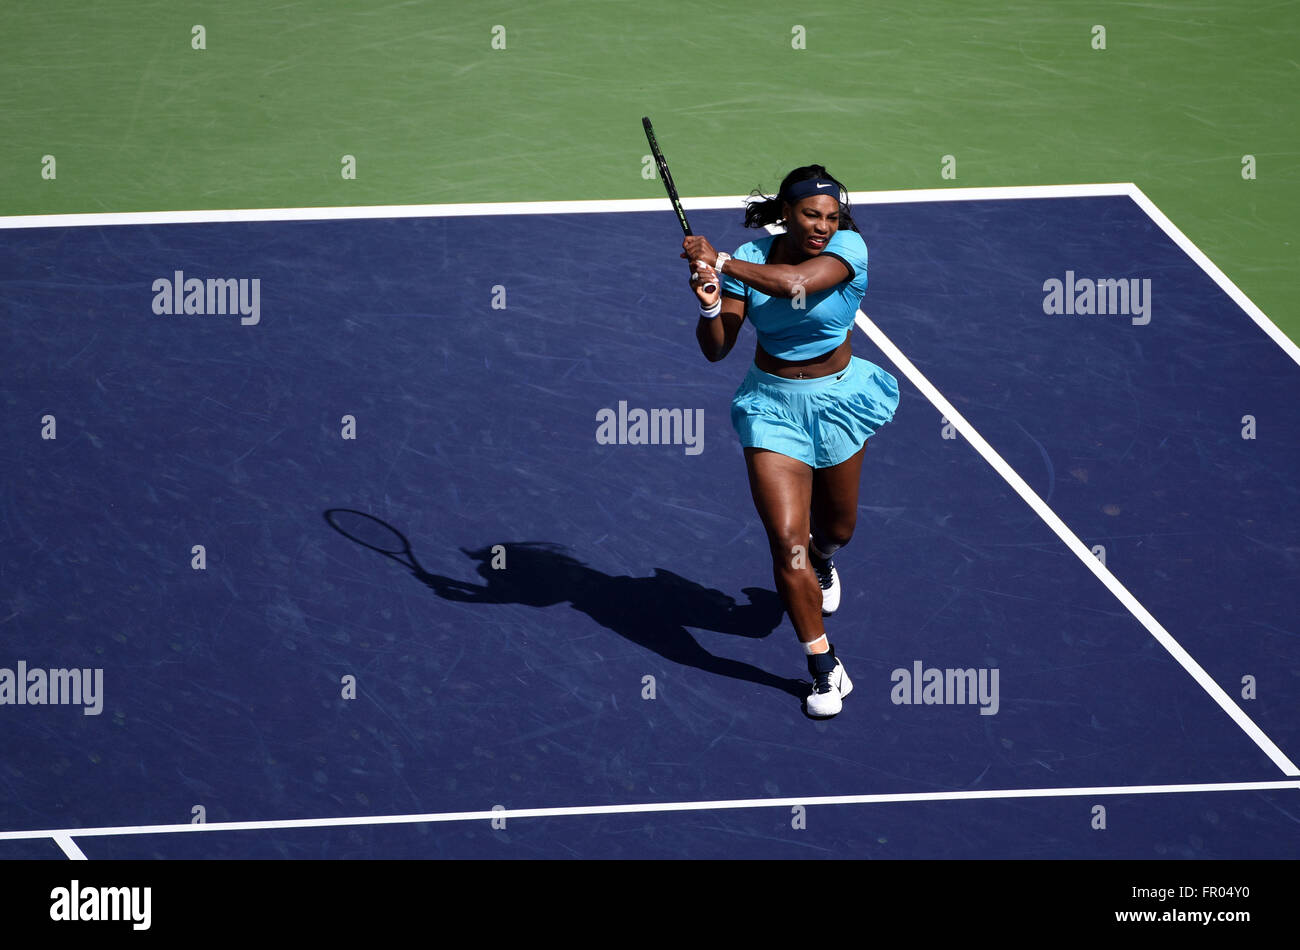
point(376, 534)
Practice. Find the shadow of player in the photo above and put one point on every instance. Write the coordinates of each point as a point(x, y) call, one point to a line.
point(653, 612)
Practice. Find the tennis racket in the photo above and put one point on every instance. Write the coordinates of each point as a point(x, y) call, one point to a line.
point(666, 176)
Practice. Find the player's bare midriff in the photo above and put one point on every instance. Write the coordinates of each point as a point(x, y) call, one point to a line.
point(823, 365)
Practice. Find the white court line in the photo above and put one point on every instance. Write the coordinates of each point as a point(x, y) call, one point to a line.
point(647, 807)
point(64, 841)
point(597, 206)
point(1080, 551)
point(1203, 261)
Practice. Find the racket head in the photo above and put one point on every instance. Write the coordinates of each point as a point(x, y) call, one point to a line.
point(371, 532)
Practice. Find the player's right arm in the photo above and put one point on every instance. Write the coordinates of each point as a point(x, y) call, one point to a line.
point(716, 335)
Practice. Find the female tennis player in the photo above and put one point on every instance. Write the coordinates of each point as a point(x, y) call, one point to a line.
point(807, 406)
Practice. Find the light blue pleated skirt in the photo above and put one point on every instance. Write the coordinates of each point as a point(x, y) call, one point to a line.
point(821, 421)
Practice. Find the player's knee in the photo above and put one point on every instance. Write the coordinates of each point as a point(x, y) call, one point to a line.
point(789, 546)
point(842, 533)
point(836, 534)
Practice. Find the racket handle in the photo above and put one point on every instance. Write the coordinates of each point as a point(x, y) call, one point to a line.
point(710, 288)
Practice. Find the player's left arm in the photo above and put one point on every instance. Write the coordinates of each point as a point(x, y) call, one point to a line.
point(776, 280)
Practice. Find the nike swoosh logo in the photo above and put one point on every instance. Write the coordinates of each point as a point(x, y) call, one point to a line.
point(819, 187)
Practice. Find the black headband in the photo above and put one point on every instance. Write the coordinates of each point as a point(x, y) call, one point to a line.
point(812, 186)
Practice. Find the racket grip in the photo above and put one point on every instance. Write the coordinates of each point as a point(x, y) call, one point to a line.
point(710, 287)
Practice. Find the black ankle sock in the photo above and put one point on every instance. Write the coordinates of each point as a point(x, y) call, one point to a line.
point(821, 662)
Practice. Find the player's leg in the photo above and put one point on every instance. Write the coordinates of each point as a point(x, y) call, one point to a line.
point(834, 519)
point(782, 490)
point(835, 503)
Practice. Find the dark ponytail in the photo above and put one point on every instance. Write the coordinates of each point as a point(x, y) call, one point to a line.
point(763, 210)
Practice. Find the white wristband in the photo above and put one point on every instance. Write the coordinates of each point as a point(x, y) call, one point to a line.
point(713, 311)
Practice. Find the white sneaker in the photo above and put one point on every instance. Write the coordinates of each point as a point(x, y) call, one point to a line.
point(829, 580)
point(830, 685)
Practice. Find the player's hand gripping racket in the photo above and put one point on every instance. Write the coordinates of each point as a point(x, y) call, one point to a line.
point(667, 178)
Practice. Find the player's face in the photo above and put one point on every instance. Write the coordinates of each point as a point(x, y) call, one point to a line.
point(812, 222)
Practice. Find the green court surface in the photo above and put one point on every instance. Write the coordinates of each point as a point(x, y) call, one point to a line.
point(432, 108)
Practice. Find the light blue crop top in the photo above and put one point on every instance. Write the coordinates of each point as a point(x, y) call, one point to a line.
point(791, 334)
